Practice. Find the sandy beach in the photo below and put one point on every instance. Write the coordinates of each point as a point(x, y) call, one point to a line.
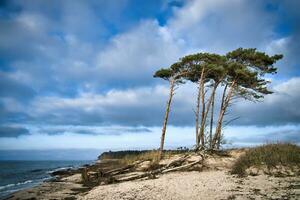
point(200, 185)
point(213, 181)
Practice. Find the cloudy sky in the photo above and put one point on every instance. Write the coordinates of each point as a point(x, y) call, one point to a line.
point(78, 74)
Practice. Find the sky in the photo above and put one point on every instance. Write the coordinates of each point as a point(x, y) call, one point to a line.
point(78, 74)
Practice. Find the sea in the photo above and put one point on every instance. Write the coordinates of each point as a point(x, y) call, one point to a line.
point(18, 175)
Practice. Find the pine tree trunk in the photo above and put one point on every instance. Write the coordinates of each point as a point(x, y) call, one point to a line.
point(162, 140)
point(224, 105)
point(218, 127)
point(211, 120)
point(201, 133)
point(205, 114)
point(220, 118)
point(199, 99)
point(197, 114)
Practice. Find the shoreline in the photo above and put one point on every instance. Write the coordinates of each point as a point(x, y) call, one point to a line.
point(37, 173)
point(62, 184)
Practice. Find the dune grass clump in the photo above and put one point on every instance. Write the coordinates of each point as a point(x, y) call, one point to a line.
point(152, 156)
point(269, 156)
point(145, 156)
point(129, 157)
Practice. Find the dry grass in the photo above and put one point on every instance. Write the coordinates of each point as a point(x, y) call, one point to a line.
point(269, 155)
point(129, 157)
point(146, 156)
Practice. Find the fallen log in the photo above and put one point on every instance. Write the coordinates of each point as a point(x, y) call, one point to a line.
point(111, 176)
point(178, 161)
point(181, 167)
point(121, 169)
point(159, 171)
point(101, 174)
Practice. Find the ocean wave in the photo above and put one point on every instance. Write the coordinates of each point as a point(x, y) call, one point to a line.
point(58, 169)
point(16, 184)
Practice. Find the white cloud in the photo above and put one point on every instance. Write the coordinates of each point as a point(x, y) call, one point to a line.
point(278, 46)
point(219, 26)
point(137, 54)
point(192, 13)
point(71, 60)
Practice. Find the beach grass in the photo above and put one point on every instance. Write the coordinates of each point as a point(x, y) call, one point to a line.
point(129, 157)
point(268, 155)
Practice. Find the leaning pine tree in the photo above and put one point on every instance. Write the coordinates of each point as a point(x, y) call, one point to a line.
point(245, 78)
point(174, 76)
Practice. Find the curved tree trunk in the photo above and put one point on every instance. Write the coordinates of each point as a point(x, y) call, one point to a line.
point(201, 133)
point(225, 102)
point(211, 120)
point(200, 98)
point(163, 134)
point(218, 127)
point(205, 114)
point(197, 115)
point(220, 119)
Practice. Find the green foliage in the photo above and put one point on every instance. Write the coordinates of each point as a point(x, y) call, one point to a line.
point(214, 66)
point(254, 59)
point(269, 155)
point(175, 72)
point(163, 73)
point(246, 67)
point(120, 154)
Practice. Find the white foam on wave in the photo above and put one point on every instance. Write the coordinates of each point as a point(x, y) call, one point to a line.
point(59, 169)
point(17, 184)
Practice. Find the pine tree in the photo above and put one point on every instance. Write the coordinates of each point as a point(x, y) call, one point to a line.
point(173, 75)
point(245, 78)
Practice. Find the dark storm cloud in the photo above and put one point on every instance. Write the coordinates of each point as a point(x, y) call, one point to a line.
point(90, 130)
point(10, 131)
point(146, 107)
point(14, 89)
point(133, 107)
point(9, 113)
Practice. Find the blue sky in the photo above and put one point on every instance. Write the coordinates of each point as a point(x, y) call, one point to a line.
point(78, 74)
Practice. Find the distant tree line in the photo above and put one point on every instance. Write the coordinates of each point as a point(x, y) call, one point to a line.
point(240, 74)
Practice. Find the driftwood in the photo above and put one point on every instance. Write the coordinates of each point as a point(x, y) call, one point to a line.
point(153, 173)
point(113, 176)
point(178, 161)
point(165, 169)
point(182, 167)
point(122, 170)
